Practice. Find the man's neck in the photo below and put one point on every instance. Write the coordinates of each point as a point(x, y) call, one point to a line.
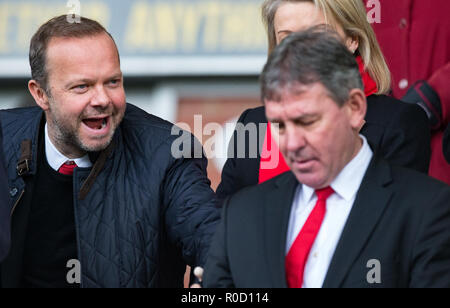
point(358, 146)
point(56, 159)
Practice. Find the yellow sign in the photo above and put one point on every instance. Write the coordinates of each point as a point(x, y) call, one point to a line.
point(152, 27)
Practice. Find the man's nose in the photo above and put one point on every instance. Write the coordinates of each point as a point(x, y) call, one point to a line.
point(100, 97)
point(295, 139)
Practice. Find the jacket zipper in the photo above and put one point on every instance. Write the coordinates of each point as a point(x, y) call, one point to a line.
point(17, 202)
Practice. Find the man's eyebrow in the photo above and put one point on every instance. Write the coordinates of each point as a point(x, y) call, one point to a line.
point(116, 76)
point(306, 118)
point(303, 117)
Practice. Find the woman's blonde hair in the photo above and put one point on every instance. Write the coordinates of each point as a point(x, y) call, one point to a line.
point(352, 17)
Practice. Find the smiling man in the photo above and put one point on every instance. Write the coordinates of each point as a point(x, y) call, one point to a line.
point(84, 103)
point(92, 178)
point(342, 209)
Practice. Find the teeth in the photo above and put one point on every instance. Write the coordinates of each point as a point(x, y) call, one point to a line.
point(104, 123)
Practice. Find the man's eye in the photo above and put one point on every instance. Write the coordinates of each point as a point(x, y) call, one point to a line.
point(114, 82)
point(80, 89)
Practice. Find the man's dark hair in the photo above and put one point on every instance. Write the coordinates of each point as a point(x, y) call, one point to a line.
point(316, 55)
point(55, 28)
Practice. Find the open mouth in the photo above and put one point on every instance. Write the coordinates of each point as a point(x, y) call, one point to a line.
point(96, 123)
point(98, 127)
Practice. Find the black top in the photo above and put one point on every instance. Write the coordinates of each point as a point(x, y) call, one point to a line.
point(446, 144)
point(51, 237)
point(397, 131)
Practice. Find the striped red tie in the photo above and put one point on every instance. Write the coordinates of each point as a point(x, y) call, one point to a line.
point(67, 168)
point(299, 252)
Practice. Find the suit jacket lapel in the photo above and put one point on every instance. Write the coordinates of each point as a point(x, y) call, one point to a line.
point(371, 201)
point(278, 205)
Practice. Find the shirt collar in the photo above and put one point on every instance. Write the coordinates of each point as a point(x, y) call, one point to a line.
point(55, 159)
point(347, 183)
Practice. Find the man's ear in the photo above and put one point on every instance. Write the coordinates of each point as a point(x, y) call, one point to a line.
point(39, 95)
point(357, 107)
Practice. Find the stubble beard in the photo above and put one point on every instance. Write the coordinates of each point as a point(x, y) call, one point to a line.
point(67, 138)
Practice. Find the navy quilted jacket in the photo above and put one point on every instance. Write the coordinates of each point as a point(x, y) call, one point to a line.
point(4, 200)
point(144, 216)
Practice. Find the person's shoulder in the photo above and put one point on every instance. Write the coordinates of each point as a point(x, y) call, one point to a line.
point(20, 122)
point(24, 113)
point(149, 132)
point(136, 118)
point(147, 128)
point(417, 184)
point(254, 115)
point(391, 104)
point(254, 196)
point(382, 108)
point(417, 195)
point(409, 190)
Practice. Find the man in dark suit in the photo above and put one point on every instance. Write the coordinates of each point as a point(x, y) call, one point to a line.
point(4, 199)
point(343, 217)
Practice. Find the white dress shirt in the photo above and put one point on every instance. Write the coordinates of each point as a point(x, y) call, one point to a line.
point(339, 205)
point(55, 159)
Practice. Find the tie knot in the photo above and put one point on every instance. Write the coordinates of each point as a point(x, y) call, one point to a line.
point(67, 168)
point(324, 193)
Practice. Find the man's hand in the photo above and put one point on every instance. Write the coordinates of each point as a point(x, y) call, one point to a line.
point(198, 273)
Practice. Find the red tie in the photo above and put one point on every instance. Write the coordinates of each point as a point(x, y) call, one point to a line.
point(298, 255)
point(67, 168)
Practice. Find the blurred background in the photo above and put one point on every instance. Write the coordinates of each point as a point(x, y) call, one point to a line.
point(180, 58)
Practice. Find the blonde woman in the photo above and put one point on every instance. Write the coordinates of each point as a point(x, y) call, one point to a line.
point(397, 131)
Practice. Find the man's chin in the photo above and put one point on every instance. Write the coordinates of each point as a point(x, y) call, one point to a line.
point(311, 180)
point(96, 146)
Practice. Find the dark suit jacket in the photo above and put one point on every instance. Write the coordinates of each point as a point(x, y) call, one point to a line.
point(399, 132)
point(4, 205)
point(400, 218)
